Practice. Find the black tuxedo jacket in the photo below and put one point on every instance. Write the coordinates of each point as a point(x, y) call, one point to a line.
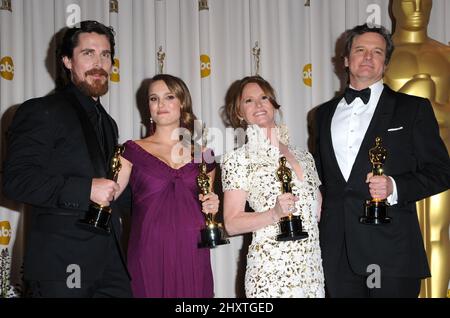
point(419, 163)
point(53, 154)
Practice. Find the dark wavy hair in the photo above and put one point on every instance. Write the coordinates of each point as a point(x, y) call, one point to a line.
point(233, 99)
point(71, 38)
point(366, 28)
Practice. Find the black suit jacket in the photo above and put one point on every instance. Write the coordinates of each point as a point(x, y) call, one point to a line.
point(419, 163)
point(53, 154)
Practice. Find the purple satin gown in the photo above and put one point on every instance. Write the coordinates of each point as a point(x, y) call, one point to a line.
point(163, 257)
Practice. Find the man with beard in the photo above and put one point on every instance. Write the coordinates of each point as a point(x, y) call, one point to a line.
point(59, 148)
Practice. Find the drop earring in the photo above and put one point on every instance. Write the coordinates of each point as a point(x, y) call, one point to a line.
point(151, 126)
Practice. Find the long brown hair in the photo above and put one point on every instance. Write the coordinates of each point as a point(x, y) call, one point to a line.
point(181, 91)
point(187, 117)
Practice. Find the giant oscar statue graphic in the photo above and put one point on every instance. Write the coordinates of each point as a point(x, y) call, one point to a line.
point(421, 66)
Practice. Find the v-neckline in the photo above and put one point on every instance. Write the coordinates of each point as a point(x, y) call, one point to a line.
point(293, 154)
point(293, 170)
point(159, 159)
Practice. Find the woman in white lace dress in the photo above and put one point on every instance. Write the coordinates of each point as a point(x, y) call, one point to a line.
point(274, 268)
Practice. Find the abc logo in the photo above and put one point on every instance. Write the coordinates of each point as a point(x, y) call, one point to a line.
point(7, 68)
point(5, 233)
point(205, 65)
point(307, 75)
point(115, 74)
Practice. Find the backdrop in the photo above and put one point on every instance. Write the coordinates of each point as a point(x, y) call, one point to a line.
point(209, 44)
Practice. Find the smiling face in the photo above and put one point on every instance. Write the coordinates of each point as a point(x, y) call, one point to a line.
point(90, 64)
point(412, 15)
point(366, 61)
point(256, 107)
point(165, 106)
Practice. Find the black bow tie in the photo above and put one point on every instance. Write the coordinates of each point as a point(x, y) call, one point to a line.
point(350, 95)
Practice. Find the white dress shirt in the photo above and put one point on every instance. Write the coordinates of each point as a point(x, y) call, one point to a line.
point(348, 128)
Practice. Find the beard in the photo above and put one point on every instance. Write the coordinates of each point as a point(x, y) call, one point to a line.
point(99, 87)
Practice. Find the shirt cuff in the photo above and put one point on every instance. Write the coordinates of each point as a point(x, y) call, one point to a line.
point(393, 198)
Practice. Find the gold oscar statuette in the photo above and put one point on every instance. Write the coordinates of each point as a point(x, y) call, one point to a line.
point(212, 234)
point(290, 227)
point(113, 6)
point(256, 52)
point(6, 5)
point(98, 216)
point(161, 56)
point(375, 211)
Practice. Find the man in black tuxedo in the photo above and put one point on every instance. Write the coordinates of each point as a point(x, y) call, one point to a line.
point(59, 148)
point(386, 260)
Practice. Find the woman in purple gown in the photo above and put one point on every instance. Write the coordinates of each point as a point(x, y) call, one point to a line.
point(163, 257)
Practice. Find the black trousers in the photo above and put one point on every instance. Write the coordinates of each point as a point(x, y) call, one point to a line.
point(344, 283)
point(114, 283)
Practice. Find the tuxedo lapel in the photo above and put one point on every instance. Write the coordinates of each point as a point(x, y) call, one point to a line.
point(377, 128)
point(97, 158)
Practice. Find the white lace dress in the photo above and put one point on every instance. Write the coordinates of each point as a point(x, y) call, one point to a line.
point(277, 269)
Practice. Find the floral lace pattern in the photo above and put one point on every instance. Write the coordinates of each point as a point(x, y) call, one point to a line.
point(277, 269)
